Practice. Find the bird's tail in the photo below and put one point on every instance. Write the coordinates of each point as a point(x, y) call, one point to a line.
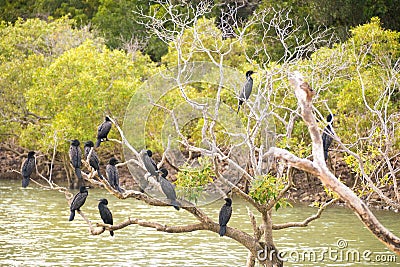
point(99, 174)
point(175, 204)
point(72, 216)
point(98, 142)
point(222, 230)
point(240, 103)
point(78, 173)
point(111, 232)
point(25, 181)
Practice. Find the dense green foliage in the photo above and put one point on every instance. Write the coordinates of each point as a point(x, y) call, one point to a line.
point(191, 181)
point(268, 187)
point(25, 47)
point(59, 80)
point(338, 15)
point(118, 21)
point(363, 96)
point(91, 81)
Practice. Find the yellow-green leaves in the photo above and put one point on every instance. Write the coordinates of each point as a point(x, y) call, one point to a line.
point(267, 187)
point(82, 85)
point(192, 179)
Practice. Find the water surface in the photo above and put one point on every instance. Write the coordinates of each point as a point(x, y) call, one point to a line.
point(35, 231)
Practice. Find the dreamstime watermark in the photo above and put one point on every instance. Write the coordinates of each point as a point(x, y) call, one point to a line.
point(341, 253)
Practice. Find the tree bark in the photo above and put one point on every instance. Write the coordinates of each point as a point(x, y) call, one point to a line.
point(318, 167)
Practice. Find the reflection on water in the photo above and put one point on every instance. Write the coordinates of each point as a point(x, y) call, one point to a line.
point(35, 231)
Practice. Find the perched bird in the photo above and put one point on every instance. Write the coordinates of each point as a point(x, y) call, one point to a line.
point(150, 154)
point(168, 188)
point(105, 213)
point(149, 163)
point(27, 168)
point(94, 158)
point(246, 90)
point(224, 216)
point(327, 135)
point(112, 174)
point(103, 131)
point(75, 155)
point(78, 201)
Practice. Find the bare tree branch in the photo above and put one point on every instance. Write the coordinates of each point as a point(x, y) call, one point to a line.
point(307, 220)
point(304, 94)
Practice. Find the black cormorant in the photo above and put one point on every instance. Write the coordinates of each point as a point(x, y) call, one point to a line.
point(149, 163)
point(150, 154)
point(327, 135)
point(75, 155)
point(112, 174)
point(103, 131)
point(94, 158)
point(105, 213)
point(27, 168)
point(78, 201)
point(246, 90)
point(168, 188)
point(224, 216)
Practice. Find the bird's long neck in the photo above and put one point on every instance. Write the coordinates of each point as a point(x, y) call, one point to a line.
point(328, 127)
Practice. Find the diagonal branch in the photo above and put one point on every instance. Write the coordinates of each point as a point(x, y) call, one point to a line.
point(293, 160)
point(304, 95)
point(307, 220)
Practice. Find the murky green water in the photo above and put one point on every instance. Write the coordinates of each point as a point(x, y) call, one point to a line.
point(35, 231)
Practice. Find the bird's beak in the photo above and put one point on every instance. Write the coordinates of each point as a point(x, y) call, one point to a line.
point(158, 171)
